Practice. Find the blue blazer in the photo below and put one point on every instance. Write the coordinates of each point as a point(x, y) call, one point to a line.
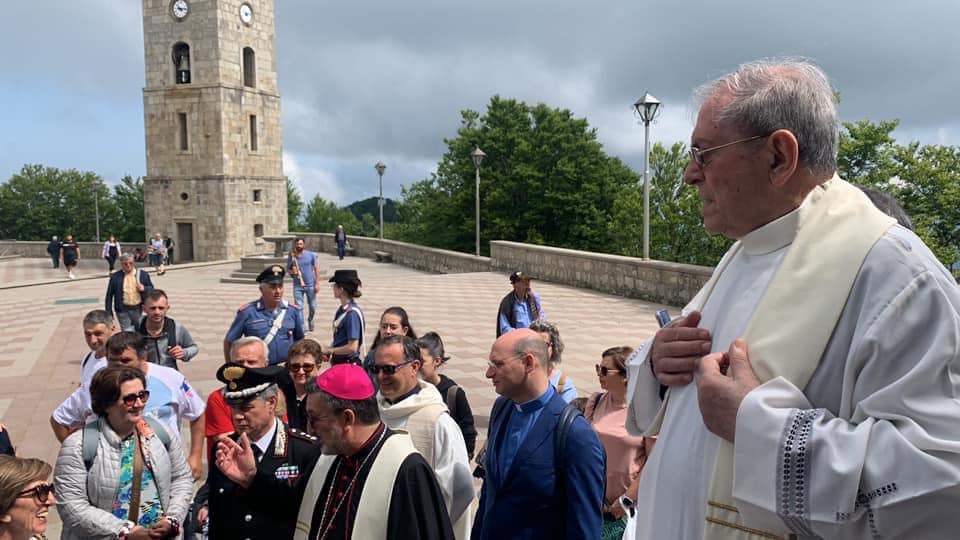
point(114, 300)
point(523, 504)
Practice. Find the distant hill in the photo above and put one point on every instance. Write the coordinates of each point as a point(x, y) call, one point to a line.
point(369, 206)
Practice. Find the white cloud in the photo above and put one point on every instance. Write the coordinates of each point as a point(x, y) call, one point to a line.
point(312, 180)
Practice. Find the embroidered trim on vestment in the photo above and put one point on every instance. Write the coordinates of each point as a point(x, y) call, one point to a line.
point(793, 482)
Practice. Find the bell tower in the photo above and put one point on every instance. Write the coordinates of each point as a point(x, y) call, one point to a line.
point(211, 111)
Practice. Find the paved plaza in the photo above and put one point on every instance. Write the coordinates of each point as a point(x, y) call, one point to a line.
point(42, 342)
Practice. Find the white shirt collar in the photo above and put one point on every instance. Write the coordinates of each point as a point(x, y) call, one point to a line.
point(264, 442)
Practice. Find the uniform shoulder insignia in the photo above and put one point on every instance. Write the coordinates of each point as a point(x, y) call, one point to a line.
point(243, 307)
point(302, 435)
point(347, 307)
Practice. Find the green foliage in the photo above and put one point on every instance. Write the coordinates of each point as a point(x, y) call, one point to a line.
point(123, 214)
point(546, 180)
point(294, 207)
point(369, 206)
point(676, 227)
point(39, 202)
point(324, 216)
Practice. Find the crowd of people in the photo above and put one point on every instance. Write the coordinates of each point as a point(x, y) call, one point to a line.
point(159, 249)
point(808, 390)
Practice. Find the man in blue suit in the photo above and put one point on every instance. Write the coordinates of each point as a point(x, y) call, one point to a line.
point(529, 492)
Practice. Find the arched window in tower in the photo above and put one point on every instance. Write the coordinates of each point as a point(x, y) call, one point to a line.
point(249, 67)
point(181, 62)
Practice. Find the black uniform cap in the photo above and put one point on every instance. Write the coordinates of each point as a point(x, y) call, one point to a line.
point(343, 276)
point(272, 274)
point(243, 383)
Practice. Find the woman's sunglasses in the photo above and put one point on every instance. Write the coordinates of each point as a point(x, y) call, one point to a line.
point(40, 491)
point(604, 371)
point(131, 399)
point(307, 368)
point(388, 369)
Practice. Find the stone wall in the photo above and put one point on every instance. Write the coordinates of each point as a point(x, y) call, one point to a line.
point(656, 281)
point(88, 250)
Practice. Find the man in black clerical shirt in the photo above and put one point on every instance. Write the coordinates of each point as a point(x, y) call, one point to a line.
point(362, 460)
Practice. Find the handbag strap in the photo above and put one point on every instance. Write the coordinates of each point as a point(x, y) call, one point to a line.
point(134, 513)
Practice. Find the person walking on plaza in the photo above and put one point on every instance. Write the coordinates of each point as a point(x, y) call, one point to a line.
point(280, 452)
point(269, 318)
point(822, 350)
point(519, 307)
point(168, 342)
point(560, 380)
point(111, 252)
point(304, 268)
point(53, 249)
point(158, 253)
point(70, 254)
point(168, 245)
point(348, 325)
point(123, 475)
point(434, 356)
point(417, 407)
point(26, 495)
point(341, 238)
point(370, 482)
point(126, 290)
point(542, 456)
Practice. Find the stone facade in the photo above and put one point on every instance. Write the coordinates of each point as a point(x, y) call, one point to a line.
point(213, 145)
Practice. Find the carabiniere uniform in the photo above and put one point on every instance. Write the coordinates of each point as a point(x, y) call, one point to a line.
point(237, 514)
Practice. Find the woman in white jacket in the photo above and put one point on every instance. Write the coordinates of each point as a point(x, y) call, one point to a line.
point(138, 484)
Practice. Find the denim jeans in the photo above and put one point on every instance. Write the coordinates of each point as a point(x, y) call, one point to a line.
point(298, 293)
point(128, 319)
point(341, 249)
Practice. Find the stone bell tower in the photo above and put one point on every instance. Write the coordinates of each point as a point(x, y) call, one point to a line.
point(211, 111)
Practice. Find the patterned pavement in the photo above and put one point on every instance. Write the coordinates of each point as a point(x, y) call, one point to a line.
point(42, 344)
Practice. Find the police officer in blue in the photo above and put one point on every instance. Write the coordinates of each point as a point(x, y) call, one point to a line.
point(348, 326)
point(271, 318)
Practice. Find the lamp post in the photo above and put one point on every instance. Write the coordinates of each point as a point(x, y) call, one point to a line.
point(96, 205)
point(647, 107)
point(477, 156)
point(380, 167)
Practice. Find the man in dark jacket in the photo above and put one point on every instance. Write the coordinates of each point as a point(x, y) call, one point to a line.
point(53, 248)
point(519, 308)
point(125, 292)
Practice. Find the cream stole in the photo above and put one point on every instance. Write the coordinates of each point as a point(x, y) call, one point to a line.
point(790, 329)
point(374, 508)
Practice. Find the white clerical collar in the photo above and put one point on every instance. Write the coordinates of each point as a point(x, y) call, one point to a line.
point(775, 235)
point(264, 442)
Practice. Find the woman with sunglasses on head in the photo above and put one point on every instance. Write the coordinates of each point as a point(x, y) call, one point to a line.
point(25, 497)
point(302, 362)
point(122, 476)
point(431, 350)
point(607, 413)
point(393, 322)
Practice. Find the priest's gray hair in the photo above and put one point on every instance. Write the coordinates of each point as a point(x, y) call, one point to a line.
point(782, 93)
point(248, 340)
point(535, 346)
point(542, 326)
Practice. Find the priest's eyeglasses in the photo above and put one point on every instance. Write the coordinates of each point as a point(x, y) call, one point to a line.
point(41, 492)
point(696, 154)
point(387, 369)
point(131, 399)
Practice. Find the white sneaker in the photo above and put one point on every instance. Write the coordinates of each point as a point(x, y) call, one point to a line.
point(71, 276)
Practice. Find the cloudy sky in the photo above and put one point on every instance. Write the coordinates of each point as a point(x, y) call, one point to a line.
point(368, 80)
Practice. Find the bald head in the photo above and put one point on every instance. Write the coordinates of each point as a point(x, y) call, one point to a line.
point(518, 365)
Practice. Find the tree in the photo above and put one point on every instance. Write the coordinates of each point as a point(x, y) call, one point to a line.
point(324, 216)
point(126, 220)
point(676, 225)
point(369, 206)
point(294, 206)
point(546, 180)
point(39, 202)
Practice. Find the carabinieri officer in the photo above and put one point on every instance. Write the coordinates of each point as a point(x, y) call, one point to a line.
point(281, 453)
point(271, 318)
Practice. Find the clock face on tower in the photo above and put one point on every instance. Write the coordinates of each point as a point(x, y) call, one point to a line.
point(179, 9)
point(246, 13)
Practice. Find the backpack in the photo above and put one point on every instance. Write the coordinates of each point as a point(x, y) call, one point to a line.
point(91, 438)
point(452, 400)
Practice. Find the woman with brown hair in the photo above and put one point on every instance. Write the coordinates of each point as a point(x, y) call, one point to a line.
point(393, 322)
point(133, 482)
point(25, 497)
point(607, 413)
point(348, 324)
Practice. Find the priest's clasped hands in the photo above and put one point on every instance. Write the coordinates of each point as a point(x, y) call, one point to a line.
point(681, 349)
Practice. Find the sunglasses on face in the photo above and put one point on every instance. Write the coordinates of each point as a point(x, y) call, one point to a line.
point(307, 368)
point(131, 399)
point(388, 369)
point(41, 492)
point(604, 371)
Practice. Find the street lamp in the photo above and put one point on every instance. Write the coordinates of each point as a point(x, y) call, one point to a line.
point(647, 107)
point(96, 205)
point(380, 167)
point(478, 156)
